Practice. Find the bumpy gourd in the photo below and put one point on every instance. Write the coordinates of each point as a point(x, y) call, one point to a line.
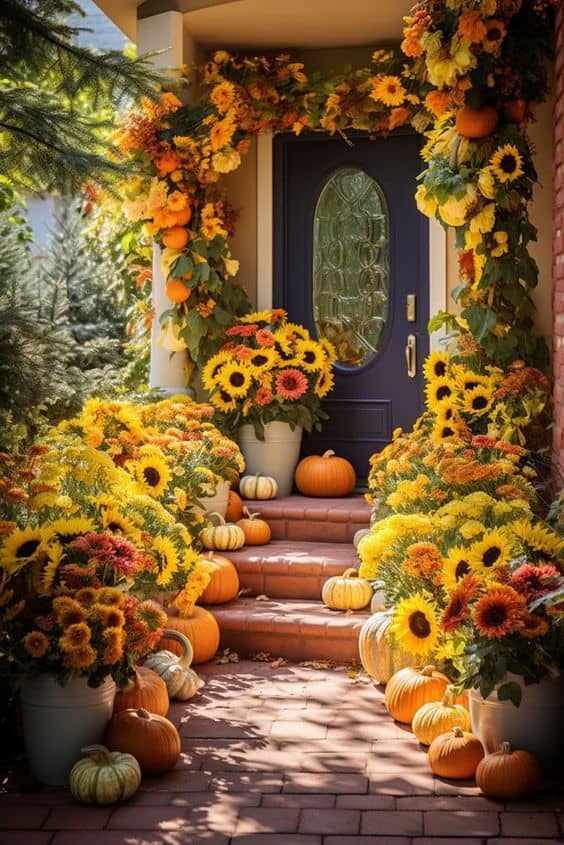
point(379, 657)
point(181, 682)
point(224, 536)
point(258, 487)
point(346, 591)
point(103, 776)
point(437, 717)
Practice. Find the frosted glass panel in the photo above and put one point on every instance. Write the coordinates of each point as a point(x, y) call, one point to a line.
point(351, 265)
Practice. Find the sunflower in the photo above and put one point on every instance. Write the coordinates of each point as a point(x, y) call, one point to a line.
point(291, 384)
point(53, 557)
point(152, 473)
point(414, 625)
point(67, 611)
point(467, 380)
point(116, 523)
point(439, 390)
point(478, 400)
point(455, 566)
point(310, 355)
point(283, 344)
point(168, 559)
point(388, 90)
point(264, 316)
point(36, 644)
point(329, 350)
point(324, 384)
point(212, 370)
point(500, 611)
point(493, 550)
point(445, 430)
point(537, 537)
point(457, 609)
point(506, 163)
point(235, 379)
point(436, 365)
point(68, 529)
point(222, 96)
point(261, 360)
point(22, 546)
point(533, 626)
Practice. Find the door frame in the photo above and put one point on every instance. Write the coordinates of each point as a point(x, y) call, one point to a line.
point(437, 270)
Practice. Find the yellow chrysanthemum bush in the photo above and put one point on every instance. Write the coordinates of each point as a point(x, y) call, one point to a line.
point(170, 447)
point(270, 369)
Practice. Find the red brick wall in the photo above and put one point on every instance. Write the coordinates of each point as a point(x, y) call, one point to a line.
point(558, 247)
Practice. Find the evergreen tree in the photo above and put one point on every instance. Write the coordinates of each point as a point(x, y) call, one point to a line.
point(48, 140)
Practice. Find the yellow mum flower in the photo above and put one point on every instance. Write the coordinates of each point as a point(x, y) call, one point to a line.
point(486, 183)
point(454, 211)
point(484, 221)
point(501, 247)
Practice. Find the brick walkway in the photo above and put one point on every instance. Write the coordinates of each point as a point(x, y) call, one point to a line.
point(287, 756)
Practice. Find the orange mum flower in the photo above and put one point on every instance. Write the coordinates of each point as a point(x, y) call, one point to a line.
point(423, 560)
point(501, 611)
point(291, 384)
point(75, 636)
point(533, 626)
point(472, 27)
point(264, 396)
point(437, 102)
point(80, 658)
point(36, 644)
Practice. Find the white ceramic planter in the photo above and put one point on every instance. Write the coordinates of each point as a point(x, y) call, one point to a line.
point(216, 503)
point(537, 725)
point(276, 456)
point(59, 721)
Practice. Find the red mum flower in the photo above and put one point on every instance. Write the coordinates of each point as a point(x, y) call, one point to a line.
point(242, 331)
point(264, 396)
point(291, 384)
point(534, 581)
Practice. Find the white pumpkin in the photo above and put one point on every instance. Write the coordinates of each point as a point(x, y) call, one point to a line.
point(346, 591)
point(378, 656)
point(222, 536)
point(181, 682)
point(258, 487)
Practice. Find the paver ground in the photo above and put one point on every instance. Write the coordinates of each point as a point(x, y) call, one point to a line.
point(288, 755)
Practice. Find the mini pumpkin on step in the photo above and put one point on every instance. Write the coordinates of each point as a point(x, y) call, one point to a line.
point(257, 531)
point(346, 591)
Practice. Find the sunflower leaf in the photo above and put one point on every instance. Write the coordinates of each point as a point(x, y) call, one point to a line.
point(510, 692)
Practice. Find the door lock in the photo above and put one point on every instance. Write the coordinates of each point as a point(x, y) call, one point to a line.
point(410, 307)
point(411, 355)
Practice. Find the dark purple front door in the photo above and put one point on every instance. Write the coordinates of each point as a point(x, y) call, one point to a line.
point(351, 263)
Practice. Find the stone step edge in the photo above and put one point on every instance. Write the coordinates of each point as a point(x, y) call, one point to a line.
point(312, 564)
point(302, 508)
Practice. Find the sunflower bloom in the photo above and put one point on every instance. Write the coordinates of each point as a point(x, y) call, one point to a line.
point(235, 379)
point(152, 473)
point(493, 550)
point(75, 636)
point(414, 625)
point(388, 90)
point(501, 611)
point(506, 163)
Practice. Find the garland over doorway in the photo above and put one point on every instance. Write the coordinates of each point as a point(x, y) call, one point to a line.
point(468, 76)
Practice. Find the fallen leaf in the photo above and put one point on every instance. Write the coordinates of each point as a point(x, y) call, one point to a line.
point(245, 591)
point(262, 597)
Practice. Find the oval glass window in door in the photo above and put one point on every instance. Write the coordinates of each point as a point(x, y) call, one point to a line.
point(351, 265)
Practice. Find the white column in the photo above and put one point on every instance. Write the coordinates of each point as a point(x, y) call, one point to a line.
point(163, 32)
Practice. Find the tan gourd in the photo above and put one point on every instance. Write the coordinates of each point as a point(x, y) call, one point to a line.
point(379, 657)
point(181, 682)
point(223, 536)
point(258, 487)
point(346, 591)
point(437, 717)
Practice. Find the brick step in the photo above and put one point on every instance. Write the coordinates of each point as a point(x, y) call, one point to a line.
point(298, 630)
point(313, 520)
point(286, 569)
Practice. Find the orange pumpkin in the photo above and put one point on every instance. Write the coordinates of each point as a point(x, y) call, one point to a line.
point(177, 291)
point(201, 629)
point(234, 510)
point(509, 774)
point(257, 531)
point(476, 123)
point(455, 754)
point(224, 580)
point(152, 739)
point(145, 690)
point(409, 689)
point(325, 475)
point(515, 110)
point(176, 237)
point(183, 217)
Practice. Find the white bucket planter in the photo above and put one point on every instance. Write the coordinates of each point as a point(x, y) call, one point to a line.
point(276, 456)
point(537, 725)
point(217, 502)
point(58, 721)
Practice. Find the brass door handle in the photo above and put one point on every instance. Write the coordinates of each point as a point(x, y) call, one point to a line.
point(411, 355)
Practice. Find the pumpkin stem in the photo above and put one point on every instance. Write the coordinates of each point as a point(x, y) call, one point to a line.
point(457, 731)
point(448, 697)
point(219, 516)
point(505, 748)
point(100, 754)
point(143, 714)
point(185, 659)
point(350, 573)
point(428, 670)
point(328, 454)
point(248, 514)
